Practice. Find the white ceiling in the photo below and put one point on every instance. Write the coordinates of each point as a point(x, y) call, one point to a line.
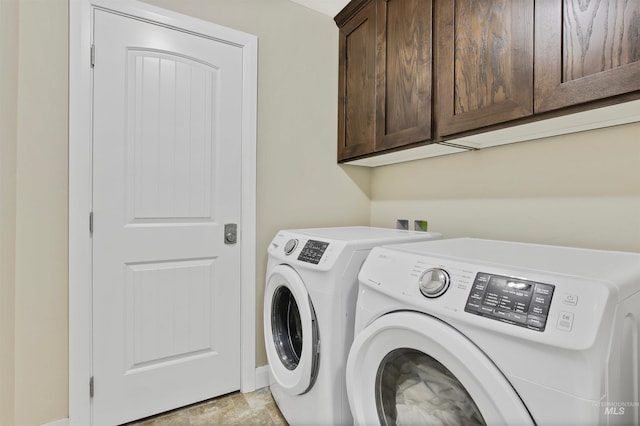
point(328, 7)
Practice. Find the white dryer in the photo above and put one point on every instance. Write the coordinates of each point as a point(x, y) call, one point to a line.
point(468, 331)
point(309, 306)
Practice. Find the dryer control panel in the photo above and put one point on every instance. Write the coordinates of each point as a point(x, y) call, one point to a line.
point(513, 300)
point(312, 251)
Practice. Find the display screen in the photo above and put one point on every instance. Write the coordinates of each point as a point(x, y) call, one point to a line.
point(507, 294)
point(516, 301)
point(312, 251)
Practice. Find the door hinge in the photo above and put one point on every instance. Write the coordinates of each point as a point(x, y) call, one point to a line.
point(91, 223)
point(93, 55)
point(91, 387)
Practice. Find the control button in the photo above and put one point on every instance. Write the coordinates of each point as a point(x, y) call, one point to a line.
point(536, 321)
point(541, 300)
point(539, 309)
point(434, 282)
point(565, 321)
point(544, 290)
point(482, 278)
point(475, 295)
point(501, 314)
point(522, 319)
point(290, 246)
point(486, 310)
point(479, 286)
point(473, 305)
point(570, 299)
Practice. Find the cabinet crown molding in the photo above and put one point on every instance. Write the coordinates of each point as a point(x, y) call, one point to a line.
point(351, 9)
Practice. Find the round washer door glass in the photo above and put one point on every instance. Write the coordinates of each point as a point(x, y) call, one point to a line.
point(290, 331)
point(414, 388)
point(411, 368)
point(286, 327)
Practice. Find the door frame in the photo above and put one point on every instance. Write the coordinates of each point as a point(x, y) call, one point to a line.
point(80, 187)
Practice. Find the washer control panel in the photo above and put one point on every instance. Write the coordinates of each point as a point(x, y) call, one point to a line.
point(513, 300)
point(312, 251)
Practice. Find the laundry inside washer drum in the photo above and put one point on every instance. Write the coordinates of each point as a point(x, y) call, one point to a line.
point(413, 388)
point(286, 327)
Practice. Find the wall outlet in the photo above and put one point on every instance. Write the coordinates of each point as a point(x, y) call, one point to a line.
point(420, 225)
point(402, 224)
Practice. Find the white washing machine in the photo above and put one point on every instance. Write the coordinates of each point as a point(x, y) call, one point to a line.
point(309, 305)
point(468, 331)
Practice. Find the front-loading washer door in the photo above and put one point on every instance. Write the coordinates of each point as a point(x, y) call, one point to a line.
point(411, 368)
point(291, 331)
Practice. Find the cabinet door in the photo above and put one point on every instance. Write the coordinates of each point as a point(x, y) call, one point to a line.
point(356, 85)
point(484, 62)
point(585, 50)
point(403, 82)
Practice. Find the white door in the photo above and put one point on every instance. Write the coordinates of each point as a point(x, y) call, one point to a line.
point(167, 178)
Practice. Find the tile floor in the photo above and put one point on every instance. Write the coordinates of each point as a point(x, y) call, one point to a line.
point(255, 408)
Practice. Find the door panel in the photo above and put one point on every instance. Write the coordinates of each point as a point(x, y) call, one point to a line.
point(356, 81)
point(403, 76)
point(171, 105)
point(484, 59)
point(585, 51)
point(166, 162)
point(153, 289)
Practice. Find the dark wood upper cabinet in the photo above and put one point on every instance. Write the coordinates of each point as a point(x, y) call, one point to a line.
point(403, 73)
point(384, 79)
point(585, 51)
point(484, 63)
point(426, 72)
point(356, 82)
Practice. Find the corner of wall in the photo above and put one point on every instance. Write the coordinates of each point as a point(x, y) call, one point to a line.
point(8, 130)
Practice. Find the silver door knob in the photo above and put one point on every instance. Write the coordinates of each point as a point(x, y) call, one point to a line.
point(230, 233)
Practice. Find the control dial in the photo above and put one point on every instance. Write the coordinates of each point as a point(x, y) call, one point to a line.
point(290, 246)
point(434, 282)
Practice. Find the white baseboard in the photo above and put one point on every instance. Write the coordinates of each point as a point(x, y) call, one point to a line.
point(63, 422)
point(262, 377)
